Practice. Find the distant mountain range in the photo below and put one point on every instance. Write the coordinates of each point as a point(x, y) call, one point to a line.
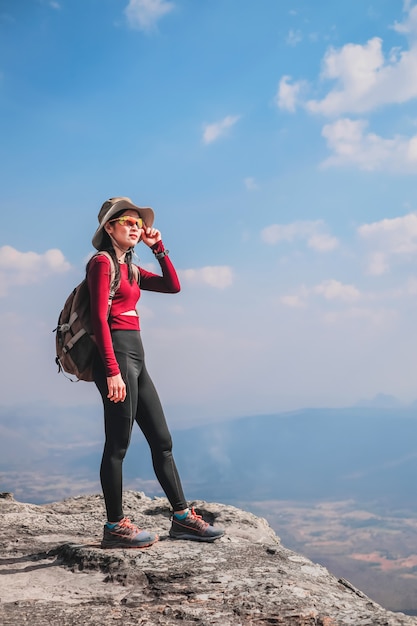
point(361, 453)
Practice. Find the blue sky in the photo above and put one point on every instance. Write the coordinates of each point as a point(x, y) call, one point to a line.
point(276, 142)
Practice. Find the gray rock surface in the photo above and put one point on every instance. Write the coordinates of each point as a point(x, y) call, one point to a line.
point(54, 572)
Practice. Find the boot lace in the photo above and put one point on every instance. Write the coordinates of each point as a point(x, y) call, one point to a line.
point(127, 527)
point(197, 519)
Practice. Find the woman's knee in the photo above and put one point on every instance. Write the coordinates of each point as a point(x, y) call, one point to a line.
point(114, 453)
point(161, 446)
point(116, 443)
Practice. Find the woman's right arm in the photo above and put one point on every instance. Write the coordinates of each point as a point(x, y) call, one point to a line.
point(98, 278)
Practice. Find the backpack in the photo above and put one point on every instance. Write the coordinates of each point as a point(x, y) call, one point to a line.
point(74, 339)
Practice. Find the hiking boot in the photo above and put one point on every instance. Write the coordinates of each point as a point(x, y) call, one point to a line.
point(126, 535)
point(194, 528)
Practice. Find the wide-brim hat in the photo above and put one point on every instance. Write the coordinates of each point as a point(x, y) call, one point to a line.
point(116, 205)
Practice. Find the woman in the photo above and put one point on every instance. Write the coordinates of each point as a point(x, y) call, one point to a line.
point(120, 373)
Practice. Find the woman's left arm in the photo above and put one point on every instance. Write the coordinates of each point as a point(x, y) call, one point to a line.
point(168, 282)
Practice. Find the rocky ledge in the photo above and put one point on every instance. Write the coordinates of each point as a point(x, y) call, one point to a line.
point(54, 572)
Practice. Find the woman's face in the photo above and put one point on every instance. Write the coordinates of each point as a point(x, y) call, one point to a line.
point(127, 232)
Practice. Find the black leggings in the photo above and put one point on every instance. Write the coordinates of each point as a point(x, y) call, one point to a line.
point(143, 405)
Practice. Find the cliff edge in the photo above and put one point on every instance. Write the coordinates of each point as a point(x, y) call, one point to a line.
point(54, 572)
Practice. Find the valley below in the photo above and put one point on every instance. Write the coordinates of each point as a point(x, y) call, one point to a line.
point(374, 549)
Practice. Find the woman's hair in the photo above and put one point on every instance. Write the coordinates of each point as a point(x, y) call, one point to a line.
point(107, 246)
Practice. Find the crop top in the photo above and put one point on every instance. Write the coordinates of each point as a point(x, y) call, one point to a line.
point(125, 299)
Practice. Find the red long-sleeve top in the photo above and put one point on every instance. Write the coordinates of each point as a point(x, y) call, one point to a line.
point(125, 299)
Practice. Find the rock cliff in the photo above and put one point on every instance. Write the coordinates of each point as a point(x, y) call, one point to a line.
point(54, 572)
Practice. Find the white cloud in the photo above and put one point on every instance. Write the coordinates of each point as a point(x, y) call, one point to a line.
point(407, 4)
point(294, 301)
point(335, 290)
point(212, 132)
point(24, 268)
point(288, 95)
point(322, 242)
point(220, 276)
point(396, 237)
point(411, 286)
point(330, 289)
point(351, 144)
point(144, 14)
point(365, 79)
point(54, 4)
point(409, 26)
point(313, 232)
point(294, 37)
point(250, 183)
point(289, 232)
point(378, 264)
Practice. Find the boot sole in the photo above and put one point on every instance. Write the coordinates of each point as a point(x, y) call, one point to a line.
point(194, 537)
point(121, 544)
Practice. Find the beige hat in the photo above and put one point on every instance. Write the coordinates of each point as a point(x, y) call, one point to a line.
point(112, 207)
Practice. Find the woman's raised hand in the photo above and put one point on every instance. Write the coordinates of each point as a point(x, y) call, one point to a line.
point(150, 236)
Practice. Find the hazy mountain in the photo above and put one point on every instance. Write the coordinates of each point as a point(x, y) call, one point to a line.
point(380, 401)
point(360, 453)
point(351, 453)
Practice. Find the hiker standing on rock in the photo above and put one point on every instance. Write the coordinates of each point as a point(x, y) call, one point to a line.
point(120, 373)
